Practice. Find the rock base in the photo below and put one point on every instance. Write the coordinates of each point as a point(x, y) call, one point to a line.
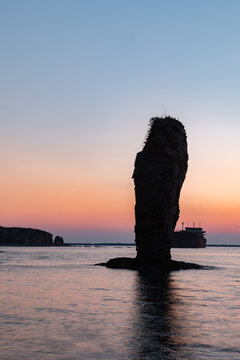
point(135, 264)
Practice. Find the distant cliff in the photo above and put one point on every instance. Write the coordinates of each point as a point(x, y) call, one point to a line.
point(27, 237)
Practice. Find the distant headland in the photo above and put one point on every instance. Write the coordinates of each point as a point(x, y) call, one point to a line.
point(18, 236)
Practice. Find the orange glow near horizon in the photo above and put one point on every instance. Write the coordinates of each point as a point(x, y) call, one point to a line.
point(109, 207)
point(69, 205)
point(45, 196)
point(215, 215)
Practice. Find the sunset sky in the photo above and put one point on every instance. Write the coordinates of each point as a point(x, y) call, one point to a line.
point(80, 81)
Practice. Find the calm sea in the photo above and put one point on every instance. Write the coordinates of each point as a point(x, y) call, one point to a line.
point(55, 305)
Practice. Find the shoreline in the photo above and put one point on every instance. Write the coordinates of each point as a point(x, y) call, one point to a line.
point(106, 244)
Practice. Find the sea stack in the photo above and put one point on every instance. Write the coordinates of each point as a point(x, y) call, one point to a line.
point(160, 170)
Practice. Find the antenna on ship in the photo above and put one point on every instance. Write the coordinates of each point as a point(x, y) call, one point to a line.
point(194, 224)
point(199, 225)
point(182, 225)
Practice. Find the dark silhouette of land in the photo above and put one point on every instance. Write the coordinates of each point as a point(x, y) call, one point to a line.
point(11, 236)
point(160, 170)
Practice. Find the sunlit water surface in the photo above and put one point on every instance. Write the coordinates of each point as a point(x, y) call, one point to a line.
point(55, 305)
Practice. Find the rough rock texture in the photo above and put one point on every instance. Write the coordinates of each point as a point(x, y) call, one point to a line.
point(24, 236)
point(160, 170)
point(159, 173)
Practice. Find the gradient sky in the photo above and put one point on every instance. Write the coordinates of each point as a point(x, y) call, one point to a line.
point(80, 81)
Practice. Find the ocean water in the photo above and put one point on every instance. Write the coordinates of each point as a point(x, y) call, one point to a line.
point(55, 304)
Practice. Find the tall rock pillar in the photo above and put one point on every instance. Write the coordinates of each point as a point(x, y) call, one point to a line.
point(160, 170)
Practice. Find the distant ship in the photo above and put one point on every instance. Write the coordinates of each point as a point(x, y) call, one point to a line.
point(191, 237)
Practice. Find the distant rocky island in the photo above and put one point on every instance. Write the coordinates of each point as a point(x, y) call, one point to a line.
point(159, 172)
point(11, 236)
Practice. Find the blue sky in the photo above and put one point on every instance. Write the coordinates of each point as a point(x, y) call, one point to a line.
point(81, 79)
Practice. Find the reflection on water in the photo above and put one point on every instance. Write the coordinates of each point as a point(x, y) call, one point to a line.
point(157, 324)
point(55, 305)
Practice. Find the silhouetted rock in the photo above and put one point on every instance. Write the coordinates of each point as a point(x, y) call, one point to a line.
point(136, 264)
point(58, 241)
point(24, 236)
point(160, 170)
